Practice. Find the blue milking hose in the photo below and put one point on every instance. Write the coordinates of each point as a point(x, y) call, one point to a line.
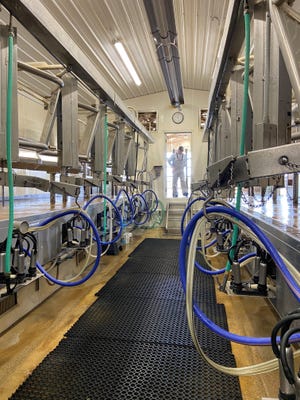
point(156, 199)
point(135, 196)
point(221, 271)
point(105, 198)
point(271, 250)
point(97, 261)
point(130, 205)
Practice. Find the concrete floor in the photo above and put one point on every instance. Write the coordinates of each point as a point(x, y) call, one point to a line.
point(25, 345)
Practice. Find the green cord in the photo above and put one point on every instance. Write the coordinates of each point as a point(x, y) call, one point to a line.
point(105, 172)
point(8, 151)
point(243, 127)
point(157, 222)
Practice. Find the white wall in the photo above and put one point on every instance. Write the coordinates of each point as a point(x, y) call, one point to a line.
point(194, 102)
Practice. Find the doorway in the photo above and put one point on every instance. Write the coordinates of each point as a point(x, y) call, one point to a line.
point(173, 140)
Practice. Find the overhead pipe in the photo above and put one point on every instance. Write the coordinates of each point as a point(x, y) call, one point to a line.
point(40, 73)
point(87, 107)
point(28, 144)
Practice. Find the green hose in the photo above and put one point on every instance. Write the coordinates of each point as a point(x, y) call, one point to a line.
point(105, 173)
point(244, 125)
point(8, 150)
point(154, 221)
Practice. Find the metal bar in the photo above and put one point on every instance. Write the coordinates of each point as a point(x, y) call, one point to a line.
point(50, 117)
point(28, 144)
point(87, 107)
point(42, 25)
point(40, 73)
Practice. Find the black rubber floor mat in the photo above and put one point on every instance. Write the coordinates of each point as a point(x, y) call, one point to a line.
point(146, 285)
point(133, 343)
point(148, 321)
point(138, 264)
point(143, 286)
point(84, 369)
point(158, 248)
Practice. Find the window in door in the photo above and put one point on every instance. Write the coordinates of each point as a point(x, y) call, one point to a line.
point(178, 177)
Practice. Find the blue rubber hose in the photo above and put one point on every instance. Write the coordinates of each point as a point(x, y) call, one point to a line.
point(146, 212)
point(96, 236)
point(130, 221)
point(105, 198)
point(144, 193)
point(253, 341)
point(221, 271)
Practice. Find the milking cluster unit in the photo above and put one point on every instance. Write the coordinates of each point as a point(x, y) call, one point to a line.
point(252, 132)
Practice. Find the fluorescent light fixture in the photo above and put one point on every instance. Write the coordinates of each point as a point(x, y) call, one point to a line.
point(128, 64)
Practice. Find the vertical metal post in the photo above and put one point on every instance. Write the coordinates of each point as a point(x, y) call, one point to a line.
point(281, 89)
point(236, 85)
point(69, 123)
point(131, 159)
point(52, 194)
point(98, 146)
point(295, 188)
point(118, 150)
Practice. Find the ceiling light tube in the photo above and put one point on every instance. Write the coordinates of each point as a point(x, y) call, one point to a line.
point(128, 64)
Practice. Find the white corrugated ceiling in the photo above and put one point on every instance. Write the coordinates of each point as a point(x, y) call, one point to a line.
point(96, 24)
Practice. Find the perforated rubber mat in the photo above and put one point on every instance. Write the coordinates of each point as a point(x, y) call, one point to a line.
point(138, 278)
point(148, 320)
point(84, 369)
point(133, 342)
point(162, 248)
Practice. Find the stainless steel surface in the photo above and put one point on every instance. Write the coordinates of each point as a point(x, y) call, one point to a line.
point(228, 52)
point(100, 143)
point(265, 162)
point(288, 33)
point(287, 242)
point(87, 135)
point(67, 124)
point(118, 155)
